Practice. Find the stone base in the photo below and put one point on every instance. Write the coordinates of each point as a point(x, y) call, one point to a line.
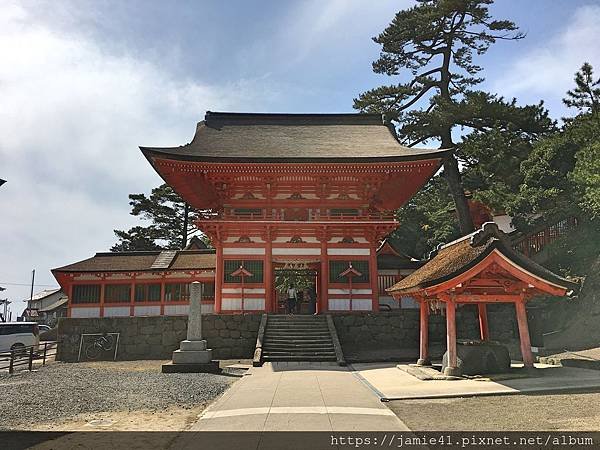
point(423, 362)
point(210, 367)
point(192, 356)
point(452, 371)
point(192, 345)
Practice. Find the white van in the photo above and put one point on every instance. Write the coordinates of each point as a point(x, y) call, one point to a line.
point(18, 335)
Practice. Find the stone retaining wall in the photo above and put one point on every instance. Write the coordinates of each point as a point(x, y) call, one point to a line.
point(400, 328)
point(230, 336)
point(234, 336)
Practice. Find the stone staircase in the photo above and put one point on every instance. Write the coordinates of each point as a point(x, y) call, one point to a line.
point(299, 338)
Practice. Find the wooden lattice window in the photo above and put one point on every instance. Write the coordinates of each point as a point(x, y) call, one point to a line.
point(177, 292)
point(336, 267)
point(255, 267)
point(147, 292)
point(117, 293)
point(85, 293)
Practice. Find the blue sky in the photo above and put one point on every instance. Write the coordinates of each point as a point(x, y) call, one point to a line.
point(83, 83)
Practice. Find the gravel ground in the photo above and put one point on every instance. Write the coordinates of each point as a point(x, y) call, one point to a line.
point(564, 412)
point(62, 391)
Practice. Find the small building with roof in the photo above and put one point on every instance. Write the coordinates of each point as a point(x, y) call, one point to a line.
point(481, 268)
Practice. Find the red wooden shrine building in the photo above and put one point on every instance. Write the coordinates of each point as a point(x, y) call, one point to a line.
point(276, 191)
point(481, 268)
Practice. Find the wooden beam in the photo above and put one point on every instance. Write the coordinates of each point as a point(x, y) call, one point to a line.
point(452, 367)
point(483, 322)
point(424, 359)
point(524, 333)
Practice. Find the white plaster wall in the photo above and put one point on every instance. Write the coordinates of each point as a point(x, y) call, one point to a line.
point(85, 312)
point(246, 290)
point(116, 311)
point(296, 251)
point(347, 291)
point(348, 251)
point(339, 304)
point(153, 310)
point(243, 251)
point(362, 304)
point(231, 304)
point(176, 310)
point(254, 304)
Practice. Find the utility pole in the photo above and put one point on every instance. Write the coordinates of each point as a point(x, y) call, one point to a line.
point(32, 283)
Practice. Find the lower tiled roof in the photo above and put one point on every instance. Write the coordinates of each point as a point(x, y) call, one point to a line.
point(142, 261)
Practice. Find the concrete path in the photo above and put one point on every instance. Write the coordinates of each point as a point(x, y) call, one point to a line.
point(394, 384)
point(298, 397)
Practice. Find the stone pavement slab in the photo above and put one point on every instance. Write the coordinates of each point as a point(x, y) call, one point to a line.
point(298, 397)
point(392, 383)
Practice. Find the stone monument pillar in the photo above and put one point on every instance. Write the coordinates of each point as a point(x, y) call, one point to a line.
point(192, 355)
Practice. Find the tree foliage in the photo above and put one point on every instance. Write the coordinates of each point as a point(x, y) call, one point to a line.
point(560, 176)
point(435, 42)
point(586, 94)
point(170, 222)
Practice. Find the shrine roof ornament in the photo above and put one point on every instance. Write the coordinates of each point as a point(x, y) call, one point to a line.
point(301, 138)
point(466, 254)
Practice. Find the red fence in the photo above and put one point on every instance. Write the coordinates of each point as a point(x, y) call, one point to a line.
point(534, 242)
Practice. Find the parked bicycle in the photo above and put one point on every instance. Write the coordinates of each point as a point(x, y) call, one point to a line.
point(101, 344)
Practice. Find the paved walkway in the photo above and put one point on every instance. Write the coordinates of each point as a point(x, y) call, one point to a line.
point(394, 384)
point(298, 397)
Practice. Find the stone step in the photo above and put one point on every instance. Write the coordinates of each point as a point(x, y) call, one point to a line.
point(297, 330)
point(296, 341)
point(299, 358)
point(298, 337)
point(285, 348)
point(298, 353)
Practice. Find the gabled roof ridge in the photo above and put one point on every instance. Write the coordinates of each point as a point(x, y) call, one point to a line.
point(215, 118)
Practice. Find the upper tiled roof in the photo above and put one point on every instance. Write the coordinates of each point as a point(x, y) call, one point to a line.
point(457, 257)
point(142, 261)
point(241, 137)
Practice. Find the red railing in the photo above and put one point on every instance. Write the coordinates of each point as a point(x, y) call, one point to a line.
point(386, 281)
point(534, 242)
point(297, 215)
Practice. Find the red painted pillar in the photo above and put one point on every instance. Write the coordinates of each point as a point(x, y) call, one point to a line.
point(218, 278)
point(268, 275)
point(483, 322)
point(102, 298)
point(373, 277)
point(452, 368)
point(132, 299)
point(324, 294)
point(524, 333)
point(424, 335)
point(69, 299)
point(162, 296)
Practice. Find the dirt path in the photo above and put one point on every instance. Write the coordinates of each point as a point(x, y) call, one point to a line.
point(565, 412)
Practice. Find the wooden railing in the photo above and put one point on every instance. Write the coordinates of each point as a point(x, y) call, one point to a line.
point(386, 281)
point(297, 215)
point(535, 241)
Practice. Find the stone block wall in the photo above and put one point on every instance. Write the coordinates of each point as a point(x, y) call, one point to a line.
point(230, 336)
point(400, 328)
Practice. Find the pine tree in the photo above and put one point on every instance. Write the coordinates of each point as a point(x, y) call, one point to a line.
point(435, 41)
point(586, 95)
point(171, 222)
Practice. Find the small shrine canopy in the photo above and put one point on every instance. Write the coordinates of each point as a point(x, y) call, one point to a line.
point(479, 268)
point(253, 137)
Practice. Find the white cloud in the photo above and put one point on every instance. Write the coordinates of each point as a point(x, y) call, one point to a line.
point(547, 71)
point(71, 118)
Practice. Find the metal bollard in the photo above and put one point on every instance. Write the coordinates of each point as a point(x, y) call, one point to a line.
point(31, 358)
point(12, 360)
point(45, 350)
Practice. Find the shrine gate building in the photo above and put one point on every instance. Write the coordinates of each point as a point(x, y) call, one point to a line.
point(315, 192)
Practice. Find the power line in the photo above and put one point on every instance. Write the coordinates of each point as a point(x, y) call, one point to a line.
point(27, 284)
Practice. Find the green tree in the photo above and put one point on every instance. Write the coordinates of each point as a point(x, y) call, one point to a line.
point(171, 222)
point(586, 95)
point(435, 42)
point(428, 219)
point(560, 176)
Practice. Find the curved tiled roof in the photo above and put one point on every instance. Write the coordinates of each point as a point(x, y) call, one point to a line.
point(142, 261)
point(239, 137)
point(457, 257)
